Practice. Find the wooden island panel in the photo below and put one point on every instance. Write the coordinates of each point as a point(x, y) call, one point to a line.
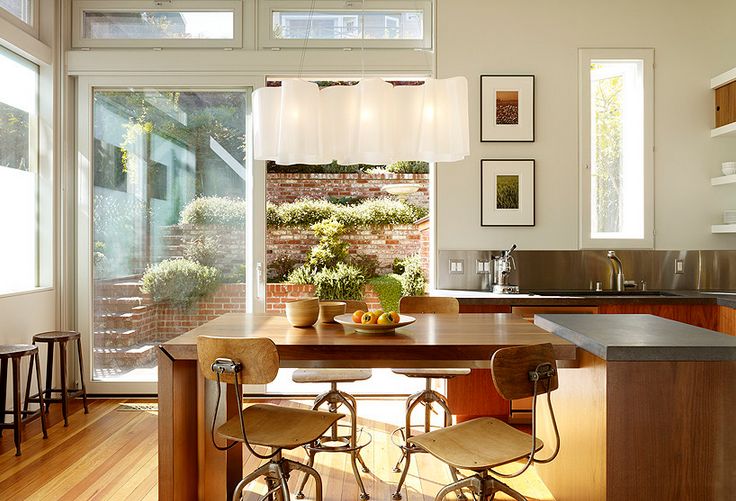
point(651, 430)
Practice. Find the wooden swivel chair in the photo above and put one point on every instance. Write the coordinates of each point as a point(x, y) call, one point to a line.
point(336, 399)
point(486, 443)
point(241, 361)
point(427, 397)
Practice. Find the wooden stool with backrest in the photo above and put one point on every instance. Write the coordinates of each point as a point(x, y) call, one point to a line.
point(15, 353)
point(429, 396)
point(240, 361)
point(482, 444)
point(61, 338)
point(335, 399)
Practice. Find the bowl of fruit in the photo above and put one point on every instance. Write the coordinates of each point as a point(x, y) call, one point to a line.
point(374, 321)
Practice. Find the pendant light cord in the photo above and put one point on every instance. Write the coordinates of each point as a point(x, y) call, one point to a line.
point(306, 37)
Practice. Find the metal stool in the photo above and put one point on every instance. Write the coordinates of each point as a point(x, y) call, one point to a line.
point(14, 353)
point(61, 337)
point(426, 397)
point(334, 398)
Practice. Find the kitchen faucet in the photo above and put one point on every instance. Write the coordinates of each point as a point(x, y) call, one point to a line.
point(617, 272)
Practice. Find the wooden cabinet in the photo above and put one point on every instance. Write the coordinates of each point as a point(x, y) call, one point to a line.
point(727, 320)
point(700, 315)
point(725, 104)
point(724, 86)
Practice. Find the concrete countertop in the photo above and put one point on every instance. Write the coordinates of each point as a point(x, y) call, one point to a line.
point(639, 338)
point(672, 297)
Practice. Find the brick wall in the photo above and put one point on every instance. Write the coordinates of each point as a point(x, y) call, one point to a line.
point(283, 187)
point(382, 242)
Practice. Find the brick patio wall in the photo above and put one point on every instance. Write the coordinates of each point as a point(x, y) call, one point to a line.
point(382, 242)
point(282, 187)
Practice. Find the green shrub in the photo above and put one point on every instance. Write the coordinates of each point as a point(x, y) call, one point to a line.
point(236, 275)
point(280, 268)
point(346, 200)
point(304, 275)
point(372, 212)
point(180, 282)
point(203, 250)
point(341, 282)
point(388, 288)
point(366, 264)
point(413, 282)
point(413, 167)
point(330, 250)
point(214, 210)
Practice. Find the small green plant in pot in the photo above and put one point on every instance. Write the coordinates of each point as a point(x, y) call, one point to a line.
point(180, 282)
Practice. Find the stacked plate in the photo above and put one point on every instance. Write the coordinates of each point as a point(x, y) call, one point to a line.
point(729, 216)
point(728, 168)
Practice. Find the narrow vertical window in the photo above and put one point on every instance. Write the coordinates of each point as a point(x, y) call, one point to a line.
point(616, 150)
point(18, 173)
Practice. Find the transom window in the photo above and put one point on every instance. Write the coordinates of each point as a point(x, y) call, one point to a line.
point(397, 24)
point(180, 24)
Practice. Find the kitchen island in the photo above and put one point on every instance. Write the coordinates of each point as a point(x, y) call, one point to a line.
point(648, 412)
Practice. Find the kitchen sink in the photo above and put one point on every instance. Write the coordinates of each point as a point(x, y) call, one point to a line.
point(587, 292)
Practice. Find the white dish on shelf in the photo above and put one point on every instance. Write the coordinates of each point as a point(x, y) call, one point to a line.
point(729, 216)
point(728, 168)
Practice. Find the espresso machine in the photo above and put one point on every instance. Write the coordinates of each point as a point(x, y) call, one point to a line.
point(503, 265)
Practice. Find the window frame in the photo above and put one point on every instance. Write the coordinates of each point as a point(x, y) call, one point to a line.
point(267, 7)
point(585, 57)
point(31, 28)
point(79, 7)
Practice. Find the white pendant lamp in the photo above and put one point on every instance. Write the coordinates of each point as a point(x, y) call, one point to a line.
point(372, 122)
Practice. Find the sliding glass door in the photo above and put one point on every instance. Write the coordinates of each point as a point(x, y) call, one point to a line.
point(167, 220)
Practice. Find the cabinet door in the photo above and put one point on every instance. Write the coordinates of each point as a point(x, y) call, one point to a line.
point(726, 104)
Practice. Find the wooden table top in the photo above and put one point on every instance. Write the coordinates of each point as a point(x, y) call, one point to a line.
point(466, 340)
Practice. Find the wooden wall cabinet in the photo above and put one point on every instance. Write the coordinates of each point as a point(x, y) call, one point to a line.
point(724, 86)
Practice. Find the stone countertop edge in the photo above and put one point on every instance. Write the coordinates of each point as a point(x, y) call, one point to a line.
point(687, 343)
point(677, 297)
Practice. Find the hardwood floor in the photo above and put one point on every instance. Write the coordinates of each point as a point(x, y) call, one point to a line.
point(110, 453)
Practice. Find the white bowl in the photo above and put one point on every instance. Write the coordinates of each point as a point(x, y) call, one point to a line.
point(728, 170)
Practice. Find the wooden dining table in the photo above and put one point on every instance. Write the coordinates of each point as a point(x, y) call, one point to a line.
point(190, 467)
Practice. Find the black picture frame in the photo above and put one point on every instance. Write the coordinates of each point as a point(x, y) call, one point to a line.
point(484, 138)
point(509, 219)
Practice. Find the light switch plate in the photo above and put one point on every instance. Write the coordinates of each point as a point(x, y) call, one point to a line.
point(482, 266)
point(457, 266)
point(679, 267)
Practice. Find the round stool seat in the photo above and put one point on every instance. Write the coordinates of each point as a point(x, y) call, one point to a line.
point(16, 350)
point(432, 373)
point(330, 375)
point(52, 336)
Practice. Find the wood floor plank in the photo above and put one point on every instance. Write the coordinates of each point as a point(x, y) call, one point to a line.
point(112, 455)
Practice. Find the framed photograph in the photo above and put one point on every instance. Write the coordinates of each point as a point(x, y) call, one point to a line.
point(506, 108)
point(507, 192)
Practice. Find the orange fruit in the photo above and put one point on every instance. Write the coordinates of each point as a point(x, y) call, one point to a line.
point(384, 319)
point(369, 318)
point(378, 312)
point(394, 316)
point(358, 316)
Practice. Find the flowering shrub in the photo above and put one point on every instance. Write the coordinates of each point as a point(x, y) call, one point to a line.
point(372, 212)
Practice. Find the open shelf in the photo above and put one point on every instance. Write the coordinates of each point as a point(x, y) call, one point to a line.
point(723, 228)
point(725, 130)
point(715, 181)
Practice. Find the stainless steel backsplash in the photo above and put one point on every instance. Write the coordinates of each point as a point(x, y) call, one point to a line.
point(703, 269)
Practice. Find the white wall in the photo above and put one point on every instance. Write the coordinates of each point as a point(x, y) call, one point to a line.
point(693, 42)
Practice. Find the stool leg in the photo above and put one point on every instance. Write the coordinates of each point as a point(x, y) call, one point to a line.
point(49, 371)
point(81, 375)
point(16, 404)
point(310, 464)
point(41, 403)
point(3, 388)
point(28, 385)
point(64, 390)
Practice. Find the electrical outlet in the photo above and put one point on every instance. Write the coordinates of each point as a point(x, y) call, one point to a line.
point(482, 266)
point(679, 267)
point(457, 266)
